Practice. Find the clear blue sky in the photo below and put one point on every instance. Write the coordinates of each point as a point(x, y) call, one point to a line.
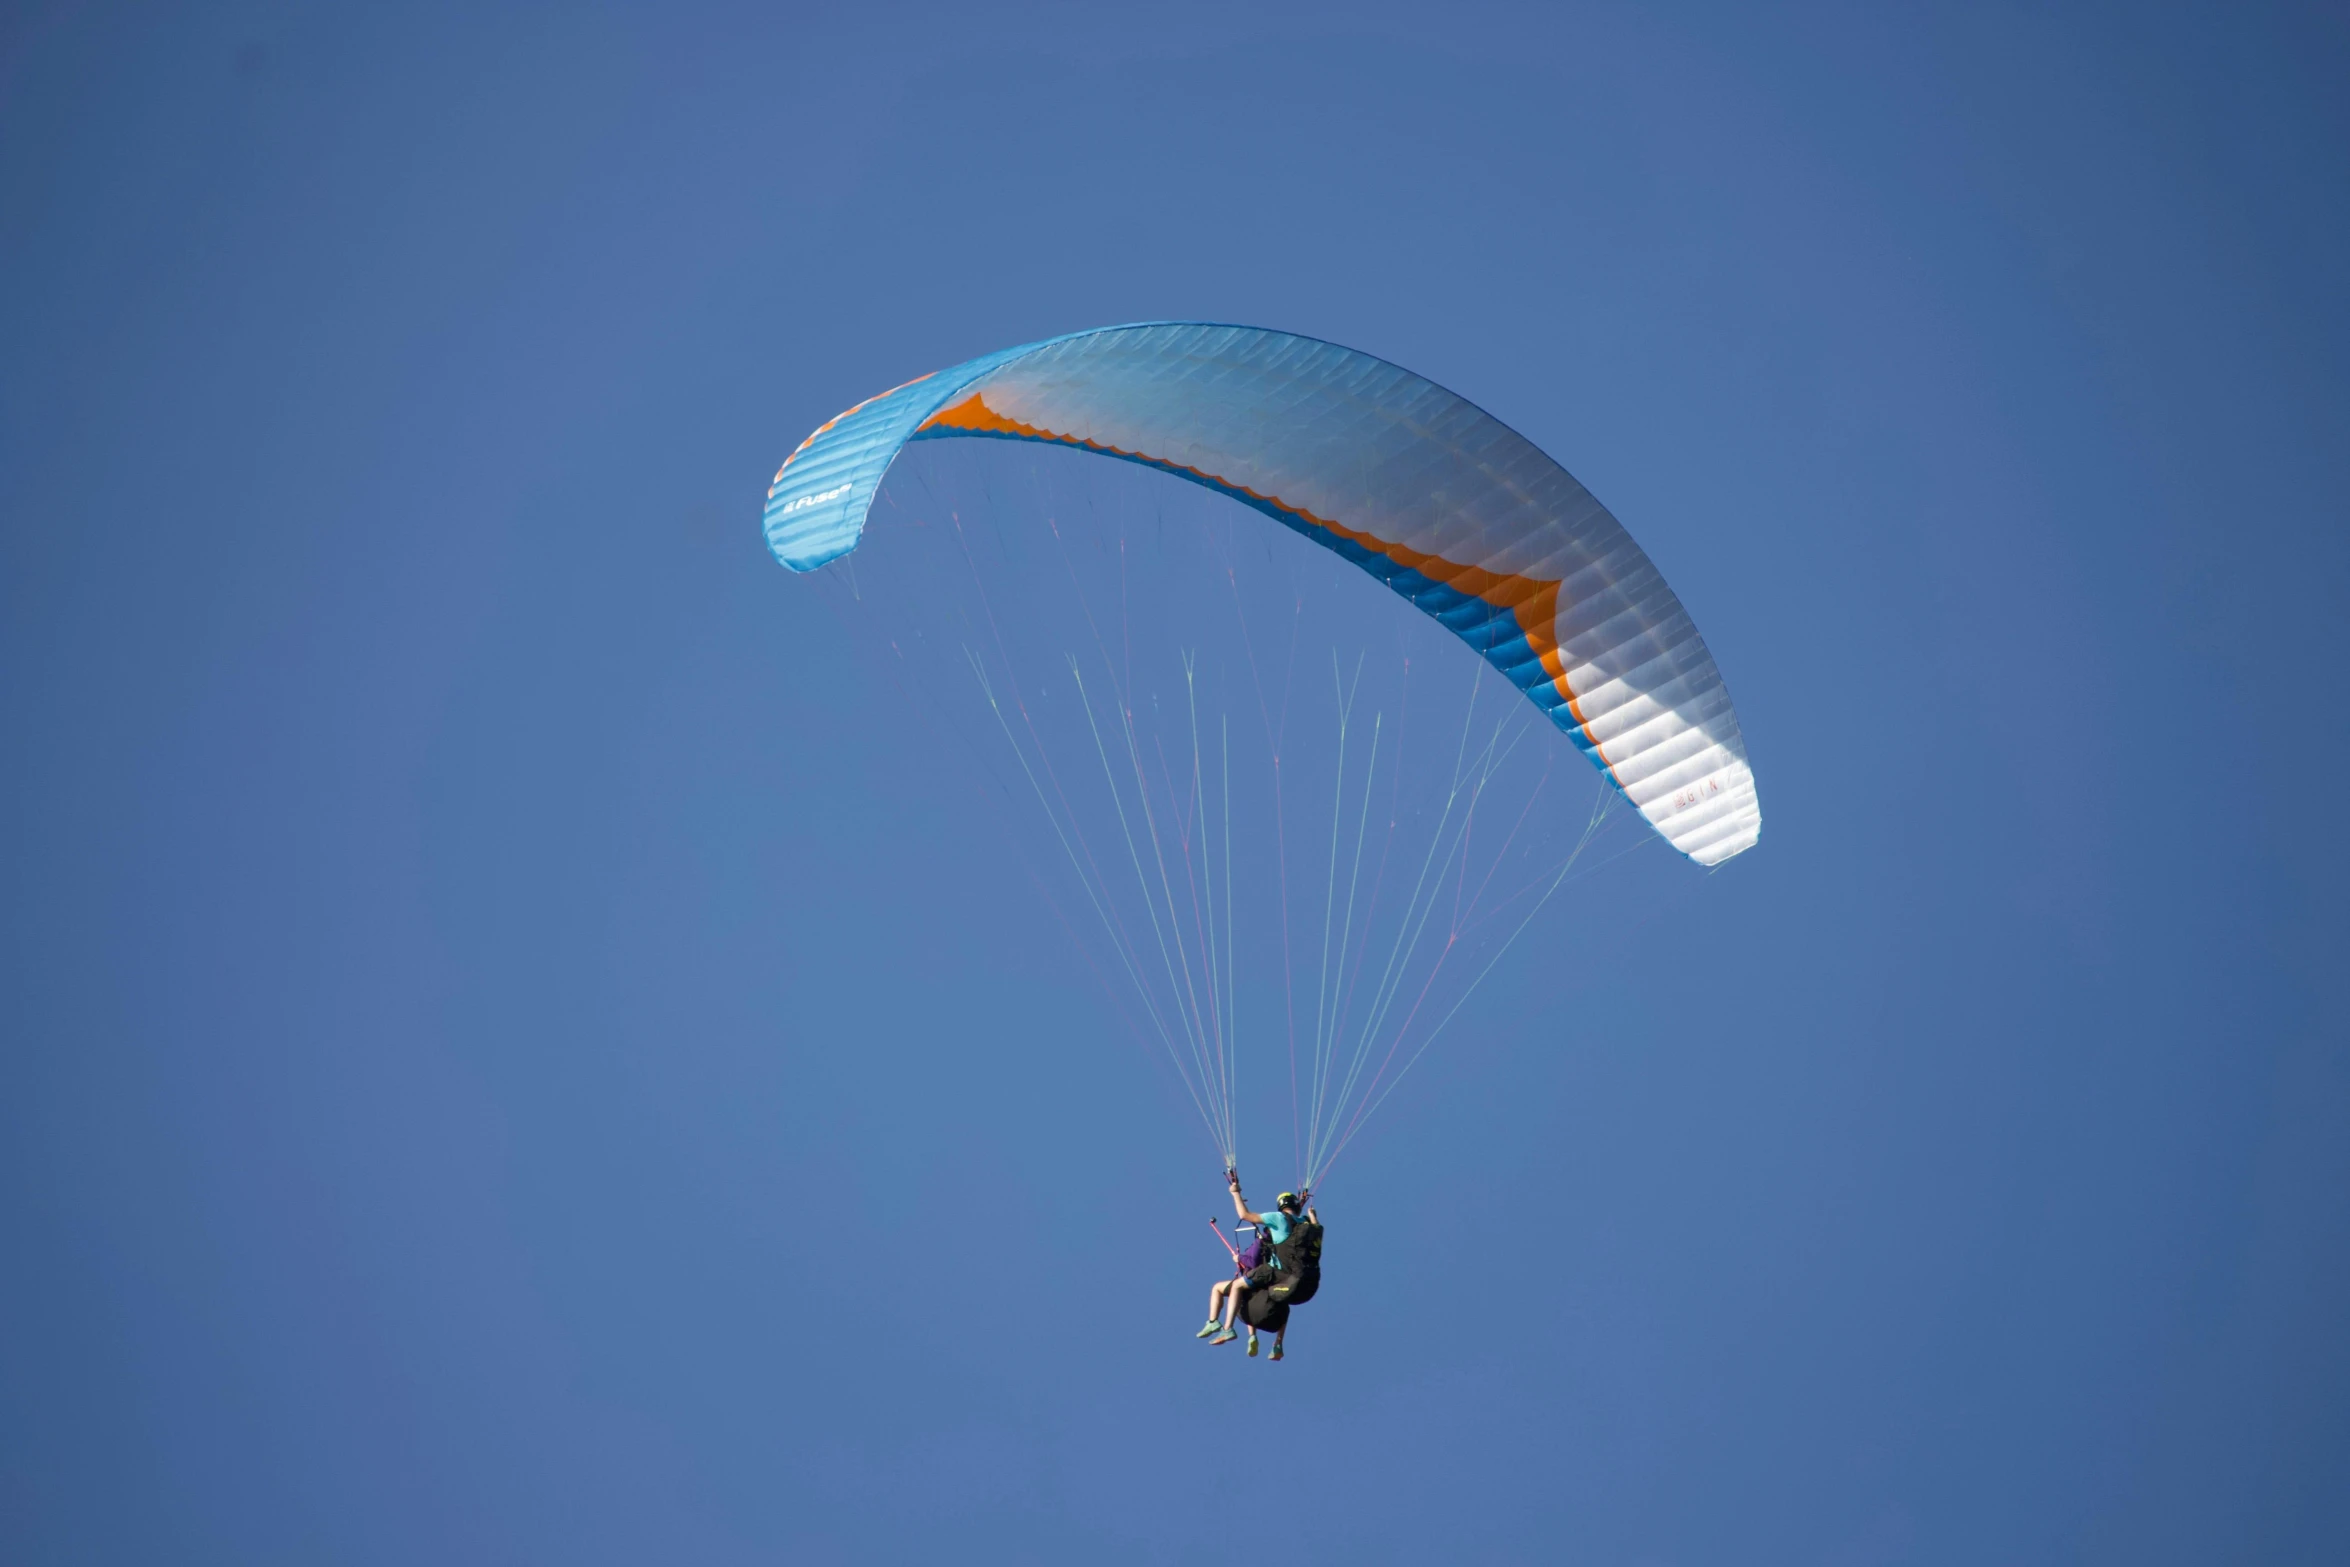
point(508, 1054)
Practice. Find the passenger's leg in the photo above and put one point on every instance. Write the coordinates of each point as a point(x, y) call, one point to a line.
point(1233, 1291)
point(1216, 1293)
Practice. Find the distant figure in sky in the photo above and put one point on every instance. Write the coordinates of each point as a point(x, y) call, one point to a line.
point(1287, 1271)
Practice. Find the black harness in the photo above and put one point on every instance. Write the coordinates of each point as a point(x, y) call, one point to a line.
point(1299, 1259)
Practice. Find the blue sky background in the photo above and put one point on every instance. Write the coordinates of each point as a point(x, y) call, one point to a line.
point(511, 1053)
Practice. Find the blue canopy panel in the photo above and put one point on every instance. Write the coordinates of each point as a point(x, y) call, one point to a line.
point(1462, 516)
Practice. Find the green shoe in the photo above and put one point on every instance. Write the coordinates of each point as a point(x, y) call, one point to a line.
point(1276, 1349)
point(1225, 1337)
point(1210, 1328)
point(1252, 1346)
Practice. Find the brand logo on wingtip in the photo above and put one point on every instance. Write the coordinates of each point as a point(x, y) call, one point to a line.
point(1696, 794)
point(817, 499)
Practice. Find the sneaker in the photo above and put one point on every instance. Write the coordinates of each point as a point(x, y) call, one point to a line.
point(1252, 1346)
point(1210, 1328)
point(1276, 1349)
point(1225, 1337)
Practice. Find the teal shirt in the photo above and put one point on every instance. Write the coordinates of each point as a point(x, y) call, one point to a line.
point(1276, 1227)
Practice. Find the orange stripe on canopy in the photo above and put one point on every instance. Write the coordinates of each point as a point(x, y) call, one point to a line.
point(1531, 601)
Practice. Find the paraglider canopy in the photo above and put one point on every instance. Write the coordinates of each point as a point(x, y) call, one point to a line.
point(1468, 520)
